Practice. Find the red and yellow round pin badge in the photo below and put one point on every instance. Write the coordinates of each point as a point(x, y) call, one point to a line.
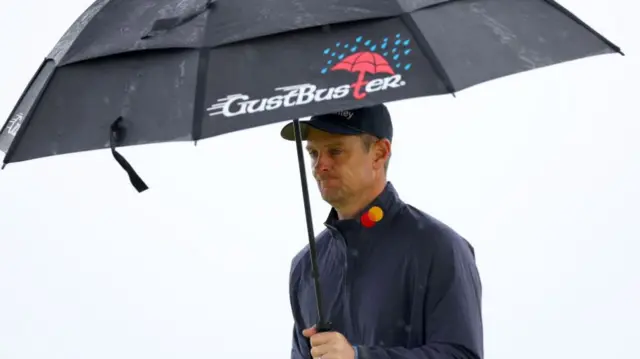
point(372, 216)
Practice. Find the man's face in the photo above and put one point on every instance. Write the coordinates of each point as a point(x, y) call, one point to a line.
point(341, 164)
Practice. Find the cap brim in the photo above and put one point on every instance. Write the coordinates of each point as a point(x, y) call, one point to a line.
point(288, 132)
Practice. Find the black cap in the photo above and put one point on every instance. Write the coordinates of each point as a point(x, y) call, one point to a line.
point(374, 120)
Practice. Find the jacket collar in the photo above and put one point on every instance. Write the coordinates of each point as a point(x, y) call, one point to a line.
point(381, 209)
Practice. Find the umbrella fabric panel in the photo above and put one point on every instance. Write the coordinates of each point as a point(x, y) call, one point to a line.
point(122, 26)
point(233, 21)
point(413, 5)
point(154, 92)
point(12, 128)
point(298, 74)
point(477, 41)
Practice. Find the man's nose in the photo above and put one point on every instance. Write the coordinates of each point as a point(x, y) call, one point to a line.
point(322, 163)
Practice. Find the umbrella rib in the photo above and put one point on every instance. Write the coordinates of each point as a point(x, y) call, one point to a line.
point(201, 85)
point(201, 91)
point(428, 52)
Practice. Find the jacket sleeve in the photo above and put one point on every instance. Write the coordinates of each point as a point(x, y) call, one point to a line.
point(300, 348)
point(299, 345)
point(452, 310)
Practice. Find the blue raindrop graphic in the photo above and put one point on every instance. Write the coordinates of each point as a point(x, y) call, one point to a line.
point(391, 48)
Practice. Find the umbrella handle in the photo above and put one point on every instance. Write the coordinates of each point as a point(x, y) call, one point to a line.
point(322, 325)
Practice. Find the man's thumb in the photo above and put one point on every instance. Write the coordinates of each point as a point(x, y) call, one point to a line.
point(309, 331)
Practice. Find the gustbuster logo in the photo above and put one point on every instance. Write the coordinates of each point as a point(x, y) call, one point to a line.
point(375, 66)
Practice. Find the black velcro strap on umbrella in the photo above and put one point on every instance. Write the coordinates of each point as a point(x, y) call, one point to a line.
point(118, 133)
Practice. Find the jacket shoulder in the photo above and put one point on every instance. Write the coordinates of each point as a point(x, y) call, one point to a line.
point(434, 231)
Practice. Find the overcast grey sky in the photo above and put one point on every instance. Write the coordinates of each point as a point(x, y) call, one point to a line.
point(540, 171)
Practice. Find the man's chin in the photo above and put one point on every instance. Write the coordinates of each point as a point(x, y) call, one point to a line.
point(331, 195)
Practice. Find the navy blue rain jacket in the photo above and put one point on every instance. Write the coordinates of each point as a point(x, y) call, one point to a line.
point(405, 288)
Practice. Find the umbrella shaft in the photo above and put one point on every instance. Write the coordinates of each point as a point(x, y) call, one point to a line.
point(322, 324)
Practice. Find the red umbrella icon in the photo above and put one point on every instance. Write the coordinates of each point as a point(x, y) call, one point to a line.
point(362, 63)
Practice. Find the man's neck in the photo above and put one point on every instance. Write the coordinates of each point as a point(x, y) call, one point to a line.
point(358, 203)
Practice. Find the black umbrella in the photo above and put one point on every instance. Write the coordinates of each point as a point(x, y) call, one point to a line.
point(137, 72)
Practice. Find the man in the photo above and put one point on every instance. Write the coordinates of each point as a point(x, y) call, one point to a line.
point(397, 283)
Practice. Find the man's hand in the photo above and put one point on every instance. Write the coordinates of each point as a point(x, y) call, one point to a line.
point(329, 345)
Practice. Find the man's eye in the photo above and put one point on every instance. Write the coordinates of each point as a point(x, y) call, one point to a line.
point(313, 154)
point(335, 151)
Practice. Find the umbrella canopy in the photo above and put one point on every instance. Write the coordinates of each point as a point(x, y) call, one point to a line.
point(137, 72)
point(189, 70)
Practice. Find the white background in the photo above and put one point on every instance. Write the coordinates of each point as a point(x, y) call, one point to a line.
point(540, 171)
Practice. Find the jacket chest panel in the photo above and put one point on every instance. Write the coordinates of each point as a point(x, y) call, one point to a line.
point(381, 291)
point(367, 289)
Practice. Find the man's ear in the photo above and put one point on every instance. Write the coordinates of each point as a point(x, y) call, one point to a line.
point(382, 151)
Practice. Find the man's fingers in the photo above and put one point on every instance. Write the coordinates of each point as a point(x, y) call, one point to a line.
point(320, 350)
point(324, 338)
